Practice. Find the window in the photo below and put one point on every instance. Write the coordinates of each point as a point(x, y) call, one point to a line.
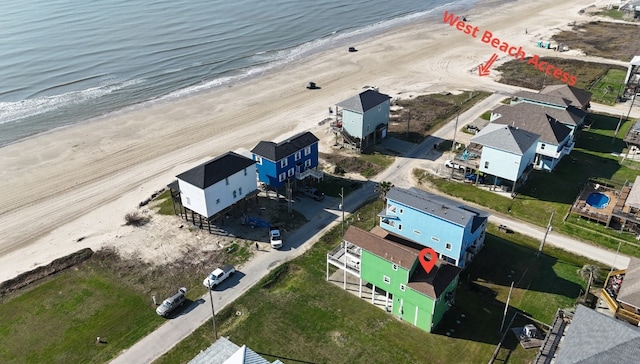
point(435, 239)
point(282, 177)
point(447, 246)
point(380, 107)
point(417, 232)
point(401, 211)
point(399, 226)
point(394, 266)
point(542, 146)
point(234, 193)
point(283, 163)
point(307, 163)
point(217, 201)
point(245, 171)
point(226, 180)
point(486, 164)
point(307, 150)
point(291, 172)
point(240, 191)
point(391, 209)
point(188, 200)
point(402, 287)
point(298, 155)
point(386, 279)
point(259, 160)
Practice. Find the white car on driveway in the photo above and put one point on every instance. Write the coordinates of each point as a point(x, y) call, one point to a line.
point(275, 238)
point(218, 275)
point(451, 164)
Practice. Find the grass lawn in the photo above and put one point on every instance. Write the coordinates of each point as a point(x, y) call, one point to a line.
point(556, 191)
point(612, 13)
point(605, 90)
point(58, 321)
point(295, 314)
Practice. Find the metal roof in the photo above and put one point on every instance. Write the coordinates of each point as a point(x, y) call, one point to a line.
point(224, 351)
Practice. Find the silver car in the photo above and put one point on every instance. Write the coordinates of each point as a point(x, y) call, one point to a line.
point(172, 303)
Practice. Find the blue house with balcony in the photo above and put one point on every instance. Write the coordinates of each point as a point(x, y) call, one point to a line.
point(363, 120)
point(454, 230)
point(293, 159)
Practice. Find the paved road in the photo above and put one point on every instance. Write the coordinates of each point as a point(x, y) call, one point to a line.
point(399, 173)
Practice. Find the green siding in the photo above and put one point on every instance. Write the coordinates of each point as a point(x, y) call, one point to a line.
point(373, 269)
point(425, 306)
point(441, 305)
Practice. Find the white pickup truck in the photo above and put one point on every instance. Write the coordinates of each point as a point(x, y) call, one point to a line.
point(218, 275)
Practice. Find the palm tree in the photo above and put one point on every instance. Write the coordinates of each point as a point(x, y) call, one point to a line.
point(587, 272)
point(384, 187)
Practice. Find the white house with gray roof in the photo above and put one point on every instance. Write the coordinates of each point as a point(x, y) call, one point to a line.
point(213, 186)
point(223, 351)
point(454, 230)
point(556, 139)
point(506, 151)
point(364, 118)
point(556, 96)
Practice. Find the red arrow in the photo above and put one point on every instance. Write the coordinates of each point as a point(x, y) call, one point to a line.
point(483, 70)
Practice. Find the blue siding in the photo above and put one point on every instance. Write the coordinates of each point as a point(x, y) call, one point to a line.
point(269, 171)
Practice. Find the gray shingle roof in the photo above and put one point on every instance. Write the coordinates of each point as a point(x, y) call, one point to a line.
point(215, 170)
point(546, 99)
point(578, 97)
point(442, 207)
point(630, 289)
point(274, 152)
point(364, 101)
point(535, 119)
point(506, 138)
point(595, 338)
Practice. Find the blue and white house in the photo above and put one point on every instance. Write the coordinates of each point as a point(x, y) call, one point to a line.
point(364, 118)
point(293, 159)
point(506, 151)
point(213, 186)
point(555, 138)
point(454, 230)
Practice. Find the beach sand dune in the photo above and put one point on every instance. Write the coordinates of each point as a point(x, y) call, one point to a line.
point(77, 183)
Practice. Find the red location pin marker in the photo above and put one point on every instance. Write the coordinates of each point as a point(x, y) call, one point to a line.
point(428, 264)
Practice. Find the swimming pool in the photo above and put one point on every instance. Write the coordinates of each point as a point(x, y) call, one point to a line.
point(598, 200)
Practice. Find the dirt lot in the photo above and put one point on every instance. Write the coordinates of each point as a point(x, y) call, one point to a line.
point(603, 39)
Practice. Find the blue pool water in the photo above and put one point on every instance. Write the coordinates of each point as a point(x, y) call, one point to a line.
point(598, 200)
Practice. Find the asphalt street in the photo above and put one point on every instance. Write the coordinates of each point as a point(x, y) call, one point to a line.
point(328, 215)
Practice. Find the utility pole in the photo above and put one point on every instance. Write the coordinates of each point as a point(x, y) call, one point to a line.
point(342, 207)
point(506, 307)
point(408, 121)
point(213, 317)
point(549, 228)
point(455, 130)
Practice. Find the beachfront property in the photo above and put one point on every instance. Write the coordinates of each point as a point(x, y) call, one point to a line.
point(454, 230)
point(295, 158)
point(632, 139)
point(555, 138)
point(209, 189)
point(389, 263)
point(588, 336)
point(557, 96)
point(632, 79)
point(505, 152)
point(363, 120)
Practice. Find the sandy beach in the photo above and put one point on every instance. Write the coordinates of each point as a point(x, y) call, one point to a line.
point(70, 189)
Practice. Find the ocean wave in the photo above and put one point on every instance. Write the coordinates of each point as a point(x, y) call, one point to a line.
point(14, 111)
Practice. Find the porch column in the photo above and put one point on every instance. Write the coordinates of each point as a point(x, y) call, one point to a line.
point(373, 292)
point(386, 301)
point(360, 289)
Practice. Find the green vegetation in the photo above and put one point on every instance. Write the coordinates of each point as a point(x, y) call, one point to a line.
point(427, 113)
point(164, 204)
point(606, 89)
point(594, 39)
point(365, 164)
point(333, 186)
point(588, 74)
point(613, 13)
point(545, 192)
point(294, 313)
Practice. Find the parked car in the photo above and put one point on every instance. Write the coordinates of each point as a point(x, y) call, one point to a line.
point(275, 238)
point(314, 193)
point(451, 164)
point(218, 275)
point(472, 177)
point(171, 303)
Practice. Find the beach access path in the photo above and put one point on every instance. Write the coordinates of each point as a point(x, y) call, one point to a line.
point(399, 173)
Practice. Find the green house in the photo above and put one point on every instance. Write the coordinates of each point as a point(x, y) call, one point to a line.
point(390, 263)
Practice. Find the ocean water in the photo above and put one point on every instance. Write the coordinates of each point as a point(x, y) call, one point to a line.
point(67, 61)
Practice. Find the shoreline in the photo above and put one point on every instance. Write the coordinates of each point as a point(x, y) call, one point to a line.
point(70, 188)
